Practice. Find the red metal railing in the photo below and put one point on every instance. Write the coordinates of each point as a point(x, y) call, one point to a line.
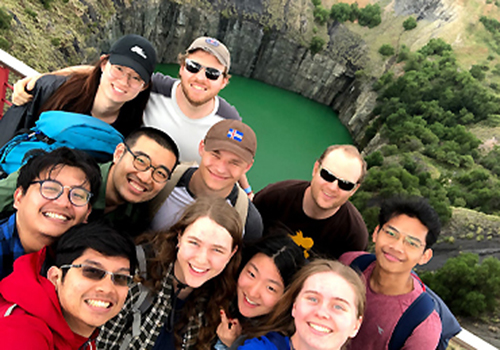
point(4, 85)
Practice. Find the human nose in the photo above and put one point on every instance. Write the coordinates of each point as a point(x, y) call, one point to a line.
point(146, 176)
point(202, 256)
point(63, 199)
point(254, 290)
point(322, 311)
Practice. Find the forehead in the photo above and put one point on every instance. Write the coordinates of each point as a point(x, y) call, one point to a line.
point(409, 226)
point(229, 156)
point(343, 165)
point(109, 263)
point(329, 285)
point(158, 154)
point(66, 175)
point(208, 231)
point(266, 266)
point(126, 69)
point(206, 59)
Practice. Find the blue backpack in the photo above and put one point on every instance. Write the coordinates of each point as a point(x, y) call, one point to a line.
point(56, 129)
point(417, 312)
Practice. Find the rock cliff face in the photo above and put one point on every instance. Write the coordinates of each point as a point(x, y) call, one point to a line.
point(267, 42)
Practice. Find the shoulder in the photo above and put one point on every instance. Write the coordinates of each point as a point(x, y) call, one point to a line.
point(226, 110)
point(162, 84)
point(347, 258)
point(278, 188)
point(25, 332)
point(426, 335)
point(50, 81)
point(269, 341)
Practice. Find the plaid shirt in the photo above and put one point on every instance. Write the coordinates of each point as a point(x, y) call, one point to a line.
point(10, 245)
point(114, 331)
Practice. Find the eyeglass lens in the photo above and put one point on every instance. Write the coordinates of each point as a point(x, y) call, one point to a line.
point(118, 72)
point(329, 177)
point(195, 67)
point(52, 189)
point(97, 274)
point(143, 163)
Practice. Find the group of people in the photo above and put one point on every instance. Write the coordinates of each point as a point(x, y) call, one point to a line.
point(166, 245)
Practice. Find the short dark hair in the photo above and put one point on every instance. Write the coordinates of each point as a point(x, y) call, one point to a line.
point(279, 246)
point(49, 161)
point(414, 207)
point(97, 236)
point(160, 137)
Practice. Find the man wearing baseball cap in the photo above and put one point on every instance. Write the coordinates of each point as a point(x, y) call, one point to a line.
point(227, 153)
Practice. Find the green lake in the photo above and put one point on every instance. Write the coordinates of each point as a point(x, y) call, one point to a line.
point(292, 131)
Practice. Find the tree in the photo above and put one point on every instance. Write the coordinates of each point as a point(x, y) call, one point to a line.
point(340, 12)
point(5, 19)
point(320, 14)
point(370, 16)
point(477, 72)
point(410, 23)
point(316, 45)
point(386, 50)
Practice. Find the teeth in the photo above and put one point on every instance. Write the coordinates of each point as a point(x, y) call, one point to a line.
point(55, 216)
point(320, 328)
point(250, 302)
point(98, 303)
point(119, 90)
point(197, 270)
point(137, 187)
point(198, 87)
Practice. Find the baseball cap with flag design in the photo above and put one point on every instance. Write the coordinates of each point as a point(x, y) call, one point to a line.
point(214, 47)
point(232, 136)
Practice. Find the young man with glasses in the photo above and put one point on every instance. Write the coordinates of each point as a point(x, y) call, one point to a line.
point(57, 298)
point(139, 171)
point(407, 229)
point(319, 211)
point(54, 192)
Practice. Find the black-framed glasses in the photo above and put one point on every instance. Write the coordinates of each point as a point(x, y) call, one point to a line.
point(143, 163)
point(53, 189)
point(329, 177)
point(96, 274)
point(409, 241)
point(195, 67)
point(117, 72)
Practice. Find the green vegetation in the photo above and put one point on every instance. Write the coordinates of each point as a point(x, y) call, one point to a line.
point(317, 44)
point(468, 287)
point(340, 12)
point(4, 43)
point(493, 26)
point(369, 16)
point(410, 23)
point(5, 19)
point(30, 12)
point(424, 116)
point(55, 41)
point(386, 50)
point(320, 14)
point(46, 4)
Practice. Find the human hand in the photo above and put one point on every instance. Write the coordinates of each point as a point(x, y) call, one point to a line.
point(20, 95)
point(228, 329)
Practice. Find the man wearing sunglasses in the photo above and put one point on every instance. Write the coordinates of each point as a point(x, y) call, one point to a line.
point(57, 301)
point(55, 192)
point(140, 169)
point(319, 211)
point(407, 229)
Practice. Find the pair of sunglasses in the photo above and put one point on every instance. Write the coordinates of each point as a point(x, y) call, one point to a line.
point(195, 67)
point(96, 274)
point(329, 177)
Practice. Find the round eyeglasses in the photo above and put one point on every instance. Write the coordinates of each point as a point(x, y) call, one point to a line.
point(118, 72)
point(143, 163)
point(53, 189)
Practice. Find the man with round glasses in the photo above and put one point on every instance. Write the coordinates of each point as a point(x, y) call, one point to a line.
point(54, 192)
point(407, 229)
point(58, 300)
point(140, 169)
point(319, 211)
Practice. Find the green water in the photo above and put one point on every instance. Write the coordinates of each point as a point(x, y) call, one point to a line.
point(292, 131)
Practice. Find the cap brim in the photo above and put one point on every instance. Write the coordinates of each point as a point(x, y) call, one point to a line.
point(132, 64)
point(224, 145)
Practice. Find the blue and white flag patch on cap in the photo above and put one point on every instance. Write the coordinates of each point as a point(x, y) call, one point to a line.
point(212, 41)
point(235, 135)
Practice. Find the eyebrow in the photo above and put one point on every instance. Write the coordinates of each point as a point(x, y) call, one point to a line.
point(140, 153)
point(99, 265)
point(212, 245)
point(269, 279)
point(334, 298)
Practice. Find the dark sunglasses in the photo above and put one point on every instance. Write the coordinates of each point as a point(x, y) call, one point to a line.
point(195, 67)
point(329, 177)
point(97, 274)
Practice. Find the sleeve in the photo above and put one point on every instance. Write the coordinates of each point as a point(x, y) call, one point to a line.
point(426, 335)
point(220, 345)
point(7, 189)
point(258, 343)
point(23, 332)
point(162, 84)
point(357, 239)
point(253, 226)
point(263, 201)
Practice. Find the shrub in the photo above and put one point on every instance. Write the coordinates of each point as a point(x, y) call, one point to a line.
point(4, 43)
point(30, 12)
point(55, 41)
point(5, 19)
point(410, 23)
point(386, 50)
point(46, 3)
point(374, 159)
point(340, 12)
point(370, 16)
point(317, 44)
point(477, 72)
point(321, 14)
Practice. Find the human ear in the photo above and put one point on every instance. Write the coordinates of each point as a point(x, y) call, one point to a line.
point(18, 196)
point(54, 275)
point(357, 326)
point(424, 259)
point(119, 150)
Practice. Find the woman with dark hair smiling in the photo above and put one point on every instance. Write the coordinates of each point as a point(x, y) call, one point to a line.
point(268, 267)
point(191, 273)
point(321, 310)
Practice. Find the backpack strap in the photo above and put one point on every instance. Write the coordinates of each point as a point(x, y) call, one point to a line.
point(361, 262)
point(414, 315)
point(161, 197)
point(241, 205)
